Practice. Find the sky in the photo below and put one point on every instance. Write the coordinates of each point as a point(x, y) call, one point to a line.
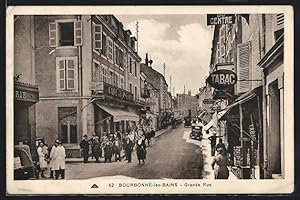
point(182, 42)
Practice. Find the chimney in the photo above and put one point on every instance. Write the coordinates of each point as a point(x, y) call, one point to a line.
point(146, 59)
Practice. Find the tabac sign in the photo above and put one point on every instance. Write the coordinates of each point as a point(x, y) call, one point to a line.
point(222, 79)
point(218, 19)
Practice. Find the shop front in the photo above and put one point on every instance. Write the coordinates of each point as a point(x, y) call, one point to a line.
point(243, 135)
point(114, 110)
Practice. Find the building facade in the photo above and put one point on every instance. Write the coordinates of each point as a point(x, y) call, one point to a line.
point(187, 104)
point(88, 70)
point(247, 113)
point(26, 92)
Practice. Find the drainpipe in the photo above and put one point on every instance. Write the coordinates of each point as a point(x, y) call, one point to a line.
point(80, 82)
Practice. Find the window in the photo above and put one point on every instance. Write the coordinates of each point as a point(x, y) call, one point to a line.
point(104, 45)
point(112, 78)
point(97, 36)
point(135, 93)
point(67, 120)
point(279, 29)
point(121, 82)
point(135, 69)
point(222, 41)
point(65, 33)
point(130, 87)
point(109, 49)
point(116, 80)
point(66, 73)
point(105, 77)
point(116, 56)
point(97, 73)
point(130, 65)
point(121, 58)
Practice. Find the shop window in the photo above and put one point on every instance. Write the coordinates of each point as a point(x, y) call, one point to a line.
point(66, 73)
point(67, 117)
point(67, 33)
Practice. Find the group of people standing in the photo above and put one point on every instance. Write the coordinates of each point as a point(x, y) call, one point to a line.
point(110, 145)
point(220, 161)
point(54, 161)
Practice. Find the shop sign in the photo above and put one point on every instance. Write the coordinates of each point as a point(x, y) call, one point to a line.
point(218, 19)
point(222, 79)
point(209, 101)
point(117, 92)
point(22, 95)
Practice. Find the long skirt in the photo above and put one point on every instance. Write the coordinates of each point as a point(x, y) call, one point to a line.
point(221, 172)
point(141, 154)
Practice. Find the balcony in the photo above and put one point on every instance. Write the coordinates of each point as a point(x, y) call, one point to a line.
point(100, 89)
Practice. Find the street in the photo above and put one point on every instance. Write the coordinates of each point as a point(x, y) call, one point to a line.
point(171, 157)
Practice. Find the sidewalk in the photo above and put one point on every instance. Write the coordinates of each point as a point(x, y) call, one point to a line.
point(78, 160)
point(208, 172)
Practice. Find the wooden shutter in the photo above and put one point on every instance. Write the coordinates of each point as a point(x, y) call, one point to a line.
point(243, 66)
point(78, 33)
point(52, 34)
point(61, 75)
point(97, 36)
point(280, 21)
point(71, 75)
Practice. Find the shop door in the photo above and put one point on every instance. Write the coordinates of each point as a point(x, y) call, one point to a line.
point(274, 128)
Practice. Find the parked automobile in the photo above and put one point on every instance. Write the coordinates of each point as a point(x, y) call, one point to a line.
point(24, 166)
point(196, 132)
point(187, 122)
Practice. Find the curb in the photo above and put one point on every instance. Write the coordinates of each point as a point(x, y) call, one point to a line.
point(80, 160)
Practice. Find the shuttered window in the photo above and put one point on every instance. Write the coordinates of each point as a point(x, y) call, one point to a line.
point(65, 33)
point(97, 39)
point(243, 66)
point(279, 26)
point(109, 49)
point(66, 73)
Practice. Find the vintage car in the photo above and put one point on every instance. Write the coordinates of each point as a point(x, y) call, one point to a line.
point(24, 166)
point(187, 122)
point(196, 132)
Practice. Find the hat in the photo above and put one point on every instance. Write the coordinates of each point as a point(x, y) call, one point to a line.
point(57, 141)
point(85, 135)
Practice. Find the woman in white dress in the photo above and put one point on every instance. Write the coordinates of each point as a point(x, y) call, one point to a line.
point(42, 159)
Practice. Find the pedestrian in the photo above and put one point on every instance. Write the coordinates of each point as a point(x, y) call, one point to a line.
point(213, 141)
point(141, 150)
point(42, 159)
point(84, 145)
point(58, 156)
point(220, 170)
point(117, 147)
point(91, 141)
point(152, 135)
point(96, 148)
point(108, 151)
point(221, 145)
point(128, 149)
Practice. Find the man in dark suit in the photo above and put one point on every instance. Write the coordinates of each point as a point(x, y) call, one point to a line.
point(84, 145)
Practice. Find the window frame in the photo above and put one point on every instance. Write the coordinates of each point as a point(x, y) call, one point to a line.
point(66, 79)
point(100, 78)
point(109, 40)
point(61, 21)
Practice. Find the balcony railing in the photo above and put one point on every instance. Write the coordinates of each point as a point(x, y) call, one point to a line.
point(99, 88)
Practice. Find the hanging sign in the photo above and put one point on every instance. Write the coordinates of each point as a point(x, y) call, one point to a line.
point(218, 19)
point(222, 79)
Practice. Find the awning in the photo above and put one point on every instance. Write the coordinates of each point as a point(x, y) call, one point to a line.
point(219, 115)
point(244, 98)
point(119, 114)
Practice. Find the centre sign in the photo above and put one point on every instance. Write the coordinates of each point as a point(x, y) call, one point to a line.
point(222, 79)
point(218, 19)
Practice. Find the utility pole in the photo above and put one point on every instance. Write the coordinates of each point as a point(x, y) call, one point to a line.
point(184, 89)
point(164, 69)
point(137, 36)
point(170, 84)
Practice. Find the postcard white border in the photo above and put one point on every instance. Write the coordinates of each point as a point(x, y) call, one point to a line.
point(217, 186)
